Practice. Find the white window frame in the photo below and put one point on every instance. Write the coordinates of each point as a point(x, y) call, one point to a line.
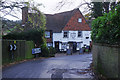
point(79, 20)
point(47, 34)
point(49, 44)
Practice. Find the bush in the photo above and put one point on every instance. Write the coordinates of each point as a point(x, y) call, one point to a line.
point(44, 50)
point(52, 51)
point(47, 52)
point(35, 35)
point(105, 29)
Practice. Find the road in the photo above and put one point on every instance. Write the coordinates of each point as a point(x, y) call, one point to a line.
point(70, 66)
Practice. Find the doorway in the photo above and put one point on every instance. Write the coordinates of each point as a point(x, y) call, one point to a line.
point(57, 46)
point(73, 46)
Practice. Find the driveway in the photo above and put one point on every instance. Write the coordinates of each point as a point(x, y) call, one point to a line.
point(70, 66)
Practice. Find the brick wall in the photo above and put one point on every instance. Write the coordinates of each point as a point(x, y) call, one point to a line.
point(106, 60)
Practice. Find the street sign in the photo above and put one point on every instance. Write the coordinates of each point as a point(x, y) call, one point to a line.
point(36, 50)
point(15, 47)
point(14, 42)
point(11, 47)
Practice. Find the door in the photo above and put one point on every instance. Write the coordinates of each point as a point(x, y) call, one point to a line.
point(57, 46)
point(74, 46)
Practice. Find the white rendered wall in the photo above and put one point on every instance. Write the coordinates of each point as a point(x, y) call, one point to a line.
point(72, 38)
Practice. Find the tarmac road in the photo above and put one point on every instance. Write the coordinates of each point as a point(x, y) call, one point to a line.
point(62, 67)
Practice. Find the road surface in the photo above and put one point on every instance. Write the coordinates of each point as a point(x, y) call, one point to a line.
point(70, 66)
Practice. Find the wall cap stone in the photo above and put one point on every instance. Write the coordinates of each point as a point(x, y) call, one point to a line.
point(108, 45)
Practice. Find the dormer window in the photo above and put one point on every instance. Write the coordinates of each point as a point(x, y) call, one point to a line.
point(47, 34)
point(79, 20)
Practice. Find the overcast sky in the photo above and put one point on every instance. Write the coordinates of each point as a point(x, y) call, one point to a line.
point(53, 6)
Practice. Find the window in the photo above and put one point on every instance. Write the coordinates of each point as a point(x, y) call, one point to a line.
point(64, 46)
point(47, 34)
point(79, 33)
point(65, 34)
point(80, 20)
point(49, 44)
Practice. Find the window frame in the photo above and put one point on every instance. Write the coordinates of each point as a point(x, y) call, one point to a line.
point(80, 20)
point(65, 35)
point(47, 35)
point(79, 33)
point(87, 37)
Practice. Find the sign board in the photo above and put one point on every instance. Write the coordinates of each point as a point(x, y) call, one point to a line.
point(13, 47)
point(73, 35)
point(14, 42)
point(36, 50)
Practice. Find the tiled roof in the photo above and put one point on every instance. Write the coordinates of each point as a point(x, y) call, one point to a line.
point(74, 25)
point(58, 21)
point(65, 21)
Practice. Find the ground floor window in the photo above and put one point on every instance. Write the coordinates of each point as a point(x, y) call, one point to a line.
point(78, 45)
point(49, 44)
point(64, 46)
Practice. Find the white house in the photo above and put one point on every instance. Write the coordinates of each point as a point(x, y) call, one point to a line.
point(67, 30)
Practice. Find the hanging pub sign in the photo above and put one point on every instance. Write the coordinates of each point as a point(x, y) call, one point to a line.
point(36, 50)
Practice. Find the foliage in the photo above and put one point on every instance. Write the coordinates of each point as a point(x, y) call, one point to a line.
point(35, 20)
point(10, 26)
point(29, 47)
point(105, 29)
point(36, 35)
point(52, 51)
point(97, 9)
point(13, 7)
point(47, 52)
point(44, 50)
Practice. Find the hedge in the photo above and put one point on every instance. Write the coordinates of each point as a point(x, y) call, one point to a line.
point(106, 29)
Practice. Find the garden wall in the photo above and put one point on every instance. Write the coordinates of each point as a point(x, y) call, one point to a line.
point(23, 50)
point(106, 60)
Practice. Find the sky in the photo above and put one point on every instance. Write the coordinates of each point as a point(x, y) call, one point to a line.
point(51, 7)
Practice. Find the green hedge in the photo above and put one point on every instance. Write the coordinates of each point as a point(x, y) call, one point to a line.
point(106, 29)
point(35, 35)
point(29, 47)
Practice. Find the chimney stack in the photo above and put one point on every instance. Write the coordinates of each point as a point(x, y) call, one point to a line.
point(24, 15)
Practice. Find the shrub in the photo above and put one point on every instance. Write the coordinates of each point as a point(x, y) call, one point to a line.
point(105, 29)
point(35, 35)
point(52, 51)
point(44, 50)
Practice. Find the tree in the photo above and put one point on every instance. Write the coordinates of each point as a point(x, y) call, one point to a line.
point(34, 26)
point(10, 7)
point(106, 28)
point(97, 8)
